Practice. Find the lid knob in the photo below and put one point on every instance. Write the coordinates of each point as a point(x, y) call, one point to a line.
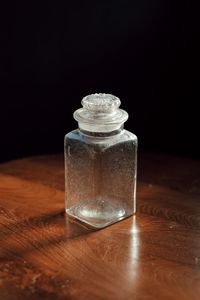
point(101, 102)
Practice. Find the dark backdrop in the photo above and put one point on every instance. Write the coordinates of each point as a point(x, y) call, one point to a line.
point(54, 53)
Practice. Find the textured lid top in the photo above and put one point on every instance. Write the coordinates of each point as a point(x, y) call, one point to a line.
point(102, 109)
point(101, 102)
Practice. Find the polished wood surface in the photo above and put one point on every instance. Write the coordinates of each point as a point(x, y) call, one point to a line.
point(154, 255)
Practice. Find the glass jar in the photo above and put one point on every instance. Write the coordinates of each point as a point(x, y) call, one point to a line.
point(100, 163)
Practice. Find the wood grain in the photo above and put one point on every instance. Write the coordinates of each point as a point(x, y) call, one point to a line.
point(153, 255)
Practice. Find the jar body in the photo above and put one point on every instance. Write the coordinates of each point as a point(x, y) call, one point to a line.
point(100, 176)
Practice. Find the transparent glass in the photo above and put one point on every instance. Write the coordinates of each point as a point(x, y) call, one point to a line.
point(100, 175)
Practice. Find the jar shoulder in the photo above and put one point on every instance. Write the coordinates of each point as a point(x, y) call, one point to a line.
point(127, 135)
point(123, 137)
point(74, 135)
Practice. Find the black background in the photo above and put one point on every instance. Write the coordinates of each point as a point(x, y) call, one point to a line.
point(53, 54)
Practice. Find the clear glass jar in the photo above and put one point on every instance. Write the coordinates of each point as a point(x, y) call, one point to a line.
point(100, 163)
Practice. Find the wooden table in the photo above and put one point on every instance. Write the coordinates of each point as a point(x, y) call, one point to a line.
point(154, 255)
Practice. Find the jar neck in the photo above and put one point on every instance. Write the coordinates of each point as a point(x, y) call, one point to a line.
point(102, 134)
point(99, 127)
